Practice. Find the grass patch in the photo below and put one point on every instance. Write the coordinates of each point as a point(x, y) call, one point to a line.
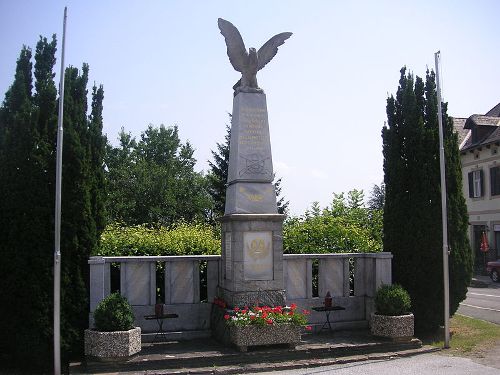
point(468, 335)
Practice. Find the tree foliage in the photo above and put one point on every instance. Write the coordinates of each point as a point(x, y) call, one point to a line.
point(377, 197)
point(412, 210)
point(217, 177)
point(152, 181)
point(345, 226)
point(181, 238)
point(28, 127)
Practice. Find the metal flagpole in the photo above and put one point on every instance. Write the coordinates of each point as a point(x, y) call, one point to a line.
point(57, 244)
point(446, 277)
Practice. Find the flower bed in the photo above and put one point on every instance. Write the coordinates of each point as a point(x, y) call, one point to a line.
point(263, 325)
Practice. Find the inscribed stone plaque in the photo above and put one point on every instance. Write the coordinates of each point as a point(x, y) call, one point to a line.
point(250, 198)
point(258, 255)
point(227, 253)
point(250, 146)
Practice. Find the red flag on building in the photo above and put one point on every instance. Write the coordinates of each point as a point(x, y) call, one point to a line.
point(485, 246)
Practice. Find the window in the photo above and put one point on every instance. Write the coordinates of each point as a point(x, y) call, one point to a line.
point(495, 180)
point(476, 184)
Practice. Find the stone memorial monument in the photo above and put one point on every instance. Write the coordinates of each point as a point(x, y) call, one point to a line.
point(252, 229)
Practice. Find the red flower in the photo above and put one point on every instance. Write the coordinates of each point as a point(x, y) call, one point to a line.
point(244, 312)
point(236, 308)
point(306, 312)
point(264, 315)
point(293, 306)
point(252, 317)
point(309, 328)
point(227, 317)
point(269, 321)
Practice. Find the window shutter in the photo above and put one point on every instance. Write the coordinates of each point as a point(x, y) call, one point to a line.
point(493, 178)
point(481, 179)
point(471, 185)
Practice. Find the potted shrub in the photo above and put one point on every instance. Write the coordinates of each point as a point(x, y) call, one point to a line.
point(392, 317)
point(114, 336)
point(265, 325)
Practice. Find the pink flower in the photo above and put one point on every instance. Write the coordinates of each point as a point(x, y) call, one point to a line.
point(308, 328)
point(306, 312)
point(236, 308)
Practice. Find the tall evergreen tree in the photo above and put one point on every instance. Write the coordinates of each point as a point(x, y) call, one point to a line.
point(28, 126)
point(377, 197)
point(217, 177)
point(412, 210)
point(27, 207)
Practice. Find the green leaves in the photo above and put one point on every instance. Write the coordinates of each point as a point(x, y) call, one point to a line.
point(179, 239)
point(113, 313)
point(392, 300)
point(153, 181)
point(345, 226)
point(412, 209)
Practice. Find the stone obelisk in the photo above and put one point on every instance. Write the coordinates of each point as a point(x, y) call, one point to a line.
point(252, 229)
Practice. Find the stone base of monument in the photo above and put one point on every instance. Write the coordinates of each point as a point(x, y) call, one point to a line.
point(270, 298)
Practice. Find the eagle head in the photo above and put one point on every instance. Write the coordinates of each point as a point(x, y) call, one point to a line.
point(252, 56)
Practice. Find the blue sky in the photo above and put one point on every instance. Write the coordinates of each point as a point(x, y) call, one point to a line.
point(165, 62)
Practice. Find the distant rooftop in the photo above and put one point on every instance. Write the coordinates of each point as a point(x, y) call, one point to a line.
point(478, 130)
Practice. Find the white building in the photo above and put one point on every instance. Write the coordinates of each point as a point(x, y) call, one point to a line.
point(480, 155)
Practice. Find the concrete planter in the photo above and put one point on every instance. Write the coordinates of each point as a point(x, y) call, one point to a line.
point(398, 328)
point(251, 335)
point(112, 345)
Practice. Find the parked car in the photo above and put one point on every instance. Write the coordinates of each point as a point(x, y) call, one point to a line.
point(493, 268)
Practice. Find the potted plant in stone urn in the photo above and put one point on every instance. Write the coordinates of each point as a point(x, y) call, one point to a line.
point(392, 317)
point(114, 336)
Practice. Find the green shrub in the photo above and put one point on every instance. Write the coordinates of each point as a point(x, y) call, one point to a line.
point(179, 239)
point(113, 313)
point(392, 300)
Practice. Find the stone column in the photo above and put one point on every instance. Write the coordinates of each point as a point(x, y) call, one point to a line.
point(252, 229)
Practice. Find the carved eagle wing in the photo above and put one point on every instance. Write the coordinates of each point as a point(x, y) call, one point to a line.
point(236, 50)
point(270, 48)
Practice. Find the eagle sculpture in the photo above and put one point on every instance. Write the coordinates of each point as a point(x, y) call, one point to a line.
point(248, 63)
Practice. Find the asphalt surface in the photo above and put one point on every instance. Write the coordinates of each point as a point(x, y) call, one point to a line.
point(482, 303)
point(425, 364)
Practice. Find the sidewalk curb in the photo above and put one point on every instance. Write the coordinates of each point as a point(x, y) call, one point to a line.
point(289, 364)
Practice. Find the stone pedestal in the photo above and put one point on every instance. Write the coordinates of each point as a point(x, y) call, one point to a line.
point(252, 260)
point(252, 229)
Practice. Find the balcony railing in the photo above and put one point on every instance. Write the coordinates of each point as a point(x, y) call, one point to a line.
point(351, 278)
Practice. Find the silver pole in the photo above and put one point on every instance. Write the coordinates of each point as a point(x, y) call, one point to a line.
point(57, 245)
point(446, 277)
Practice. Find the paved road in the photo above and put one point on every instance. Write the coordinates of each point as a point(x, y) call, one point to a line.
point(426, 364)
point(482, 303)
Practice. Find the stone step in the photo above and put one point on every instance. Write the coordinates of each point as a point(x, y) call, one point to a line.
point(194, 355)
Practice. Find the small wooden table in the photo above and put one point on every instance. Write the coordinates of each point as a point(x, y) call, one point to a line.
point(160, 318)
point(327, 311)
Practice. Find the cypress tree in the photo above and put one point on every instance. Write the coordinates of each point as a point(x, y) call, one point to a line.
point(28, 126)
point(27, 211)
point(412, 210)
point(76, 219)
